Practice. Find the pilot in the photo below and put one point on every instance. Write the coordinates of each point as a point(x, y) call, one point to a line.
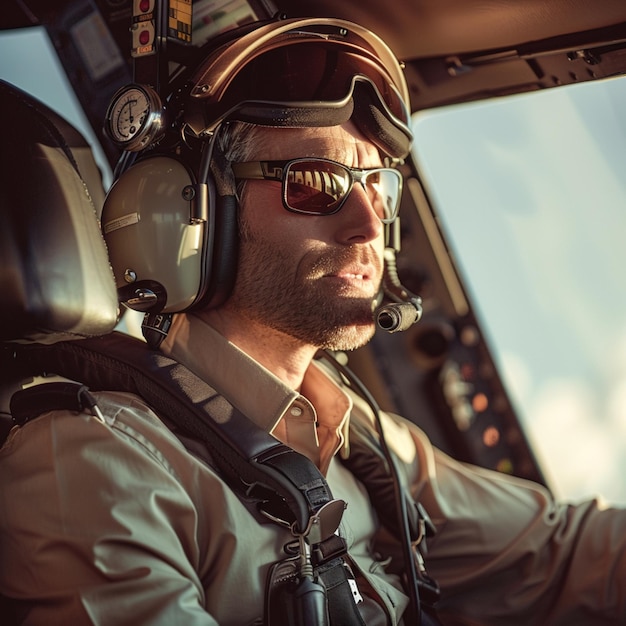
point(291, 137)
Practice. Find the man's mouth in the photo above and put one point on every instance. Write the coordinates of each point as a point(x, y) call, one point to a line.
point(349, 271)
point(355, 278)
point(352, 275)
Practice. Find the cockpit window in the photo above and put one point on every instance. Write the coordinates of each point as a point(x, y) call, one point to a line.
point(531, 194)
point(29, 61)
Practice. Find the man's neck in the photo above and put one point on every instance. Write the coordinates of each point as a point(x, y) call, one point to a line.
point(286, 357)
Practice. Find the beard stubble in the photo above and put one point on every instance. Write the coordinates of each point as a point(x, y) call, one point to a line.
point(294, 298)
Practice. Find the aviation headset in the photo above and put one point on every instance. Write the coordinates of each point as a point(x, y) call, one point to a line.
point(170, 227)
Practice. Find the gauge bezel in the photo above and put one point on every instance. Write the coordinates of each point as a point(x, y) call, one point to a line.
point(151, 127)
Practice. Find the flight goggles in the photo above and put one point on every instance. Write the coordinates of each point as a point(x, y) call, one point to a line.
point(303, 72)
point(315, 186)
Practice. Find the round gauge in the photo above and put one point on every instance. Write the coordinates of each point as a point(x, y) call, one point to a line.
point(135, 117)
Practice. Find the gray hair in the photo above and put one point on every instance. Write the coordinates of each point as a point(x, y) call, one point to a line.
point(236, 140)
point(235, 143)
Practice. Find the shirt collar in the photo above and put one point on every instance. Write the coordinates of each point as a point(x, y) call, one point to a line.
point(250, 387)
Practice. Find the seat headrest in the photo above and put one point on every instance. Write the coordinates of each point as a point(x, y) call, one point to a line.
point(56, 282)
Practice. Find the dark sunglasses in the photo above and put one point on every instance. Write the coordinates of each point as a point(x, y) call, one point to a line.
point(316, 186)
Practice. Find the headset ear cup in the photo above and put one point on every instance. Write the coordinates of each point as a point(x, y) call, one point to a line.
point(225, 253)
point(151, 238)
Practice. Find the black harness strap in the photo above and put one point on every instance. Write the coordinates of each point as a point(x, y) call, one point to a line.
point(368, 465)
point(287, 484)
point(51, 397)
point(341, 605)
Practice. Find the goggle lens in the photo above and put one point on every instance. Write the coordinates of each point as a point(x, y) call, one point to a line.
point(304, 73)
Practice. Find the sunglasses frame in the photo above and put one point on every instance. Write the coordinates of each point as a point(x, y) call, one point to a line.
point(278, 171)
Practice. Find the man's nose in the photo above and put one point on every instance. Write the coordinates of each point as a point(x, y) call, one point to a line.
point(357, 221)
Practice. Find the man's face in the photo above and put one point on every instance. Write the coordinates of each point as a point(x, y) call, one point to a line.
point(311, 277)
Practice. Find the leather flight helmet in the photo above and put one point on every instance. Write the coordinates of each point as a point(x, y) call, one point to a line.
point(172, 236)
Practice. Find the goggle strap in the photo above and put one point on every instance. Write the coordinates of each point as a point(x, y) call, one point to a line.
point(269, 114)
point(372, 119)
point(365, 108)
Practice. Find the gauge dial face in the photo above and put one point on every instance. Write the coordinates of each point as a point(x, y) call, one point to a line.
point(129, 114)
point(134, 117)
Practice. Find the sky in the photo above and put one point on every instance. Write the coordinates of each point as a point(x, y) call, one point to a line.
point(532, 190)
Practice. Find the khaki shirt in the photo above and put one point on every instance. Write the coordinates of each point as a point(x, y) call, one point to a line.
point(120, 524)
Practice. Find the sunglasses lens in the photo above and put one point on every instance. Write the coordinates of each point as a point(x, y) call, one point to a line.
point(383, 188)
point(320, 187)
point(316, 187)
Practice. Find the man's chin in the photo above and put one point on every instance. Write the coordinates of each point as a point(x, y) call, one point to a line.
point(350, 337)
point(355, 292)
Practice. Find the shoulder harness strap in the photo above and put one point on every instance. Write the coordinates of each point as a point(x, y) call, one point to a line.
point(289, 487)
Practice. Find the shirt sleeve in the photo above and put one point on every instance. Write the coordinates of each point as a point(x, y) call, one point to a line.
point(95, 527)
point(507, 553)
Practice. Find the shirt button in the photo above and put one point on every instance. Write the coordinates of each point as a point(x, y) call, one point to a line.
point(296, 411)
